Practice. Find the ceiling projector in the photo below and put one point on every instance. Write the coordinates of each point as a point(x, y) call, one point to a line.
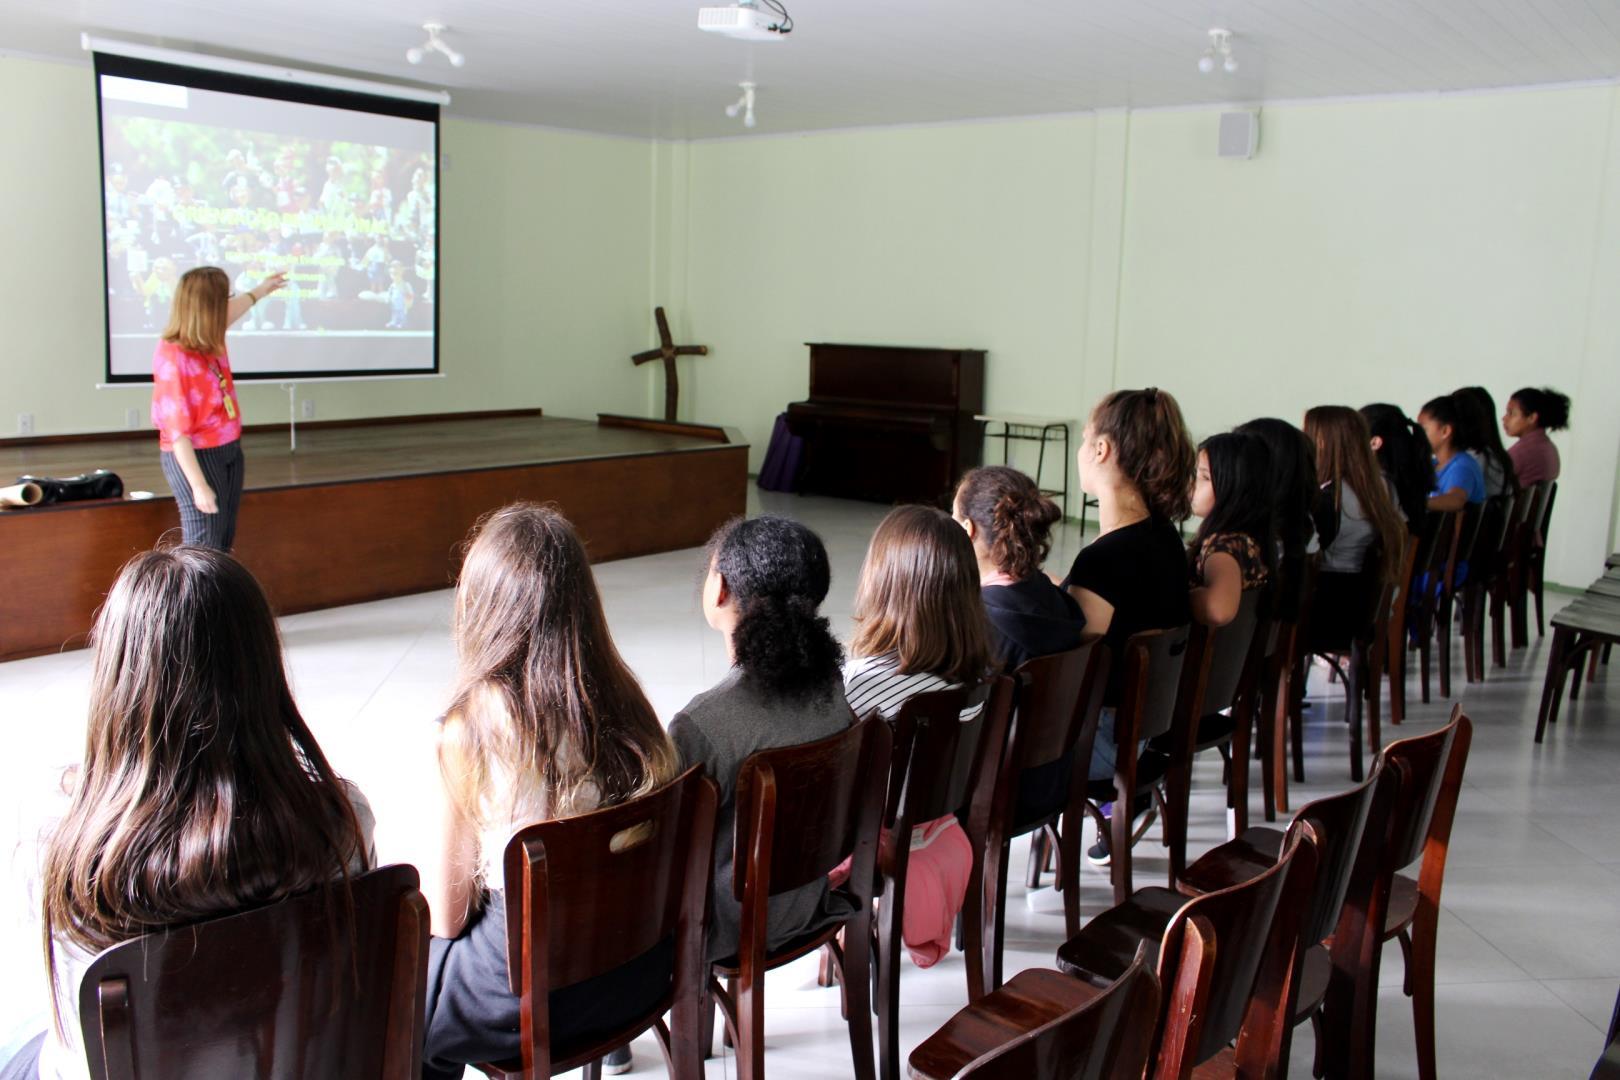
point(743, 21)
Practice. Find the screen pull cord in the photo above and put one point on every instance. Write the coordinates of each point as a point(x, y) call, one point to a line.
point(292, 416)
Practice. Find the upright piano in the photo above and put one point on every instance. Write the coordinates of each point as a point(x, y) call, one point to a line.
point(889, 423)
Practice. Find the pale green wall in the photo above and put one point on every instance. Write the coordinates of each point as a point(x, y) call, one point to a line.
point(1381, 249)
point(544, 271)
point(1375, 250)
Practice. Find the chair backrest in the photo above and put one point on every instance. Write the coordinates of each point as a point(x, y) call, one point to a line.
point(940, 760)
point(802, 810)
point(1434, 542)
point(322, 984)
point(1153, 665)
point(1543, 511)
point(1430, 769)
point(1221, 952)
point(1462, 544)
point(1493, 535)
point(1107, 1038)
point(1230, 654)
point(1057, 696)
point(1338, 828)
point(587, 894)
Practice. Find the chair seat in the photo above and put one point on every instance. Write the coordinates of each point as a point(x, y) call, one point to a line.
point(1029, 999)
point(799, 946)
point(1106, 945)
point(1403, 902)
point(1234, 862)
point(1151, 768)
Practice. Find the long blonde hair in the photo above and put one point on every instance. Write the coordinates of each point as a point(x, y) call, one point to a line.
point(542, 697)
point(197, 318)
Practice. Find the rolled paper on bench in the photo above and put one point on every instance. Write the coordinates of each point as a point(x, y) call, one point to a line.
point(21, 495)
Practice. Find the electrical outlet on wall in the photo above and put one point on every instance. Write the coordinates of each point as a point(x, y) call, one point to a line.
point(132, 419)
point(25, 423)
point(306, 409)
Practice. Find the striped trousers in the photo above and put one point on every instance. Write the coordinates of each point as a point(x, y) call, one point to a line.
point(223, 467)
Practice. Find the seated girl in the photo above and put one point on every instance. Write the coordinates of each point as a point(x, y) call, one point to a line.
point(1137, 460)
point(920, 626)
point(1459, 479)
point(1479, 416)
point(766, 579)
point(1405, 459)
point(1362, 535)
point(1009, 523)
point(1293, 488)
point(1530, 415)
point(545, 722)
point(1233, 549)
point(190, 717)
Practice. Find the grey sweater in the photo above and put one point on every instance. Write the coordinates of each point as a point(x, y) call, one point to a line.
point(719, 729)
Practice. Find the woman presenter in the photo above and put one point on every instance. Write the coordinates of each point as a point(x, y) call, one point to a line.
point(194, 404)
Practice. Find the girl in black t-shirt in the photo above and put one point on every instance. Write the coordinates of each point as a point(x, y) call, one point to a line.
point(1137, 460)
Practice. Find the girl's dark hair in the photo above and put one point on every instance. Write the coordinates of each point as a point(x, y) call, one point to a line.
point(1445, 410)
point(1404, 457)
point(1152, 446)
point(202, 791)
point(1012, 515)
point(1240, 473)
point(1292, 462)
point(1551, 407)
point(778, 574)
point(1478, 410)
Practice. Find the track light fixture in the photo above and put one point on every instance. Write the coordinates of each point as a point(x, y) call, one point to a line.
point(1220, 47)
point(434, 43)
point(743, 105)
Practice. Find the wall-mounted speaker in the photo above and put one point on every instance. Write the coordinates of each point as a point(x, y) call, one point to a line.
point(1240, 134)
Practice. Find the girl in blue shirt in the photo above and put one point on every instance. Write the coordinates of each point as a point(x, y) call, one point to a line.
point(1459, 480)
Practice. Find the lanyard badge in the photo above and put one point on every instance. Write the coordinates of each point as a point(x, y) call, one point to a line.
point(225, 386)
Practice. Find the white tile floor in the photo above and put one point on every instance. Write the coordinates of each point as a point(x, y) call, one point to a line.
point(1529, 958)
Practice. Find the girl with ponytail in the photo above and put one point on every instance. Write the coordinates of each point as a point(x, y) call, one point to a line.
point(920, 626)
point(1530, 414)
point(763, 589)
point(1009, 522)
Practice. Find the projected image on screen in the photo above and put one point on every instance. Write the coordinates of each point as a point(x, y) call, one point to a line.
point(341, 201)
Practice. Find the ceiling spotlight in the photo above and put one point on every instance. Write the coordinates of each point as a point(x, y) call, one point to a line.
point(743, 105)
point(1220, 46)
point(417, 53)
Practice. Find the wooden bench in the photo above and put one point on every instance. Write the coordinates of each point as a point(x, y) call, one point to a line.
point(1588, 625)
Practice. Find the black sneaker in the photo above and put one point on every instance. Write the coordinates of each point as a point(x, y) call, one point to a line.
point(1099, 855)
point(617, 1061)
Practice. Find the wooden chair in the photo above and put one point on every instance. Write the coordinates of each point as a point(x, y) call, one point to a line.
point(1519, 586)
point(941, 765)
point(1056, 700)
point(1509, 577)
point(1490, 552)
point(1220, 718)
point(1227, 961)
point(1347, 856)
point(323, 984)
point(1425, 607)
point(588, 894)
point(801, 812)
point(1154, 661)
point(1360, 671)
point(1428, 771)
point(1283, 680)
point(1044, 1025)
point(1419, 551)
point(1538, 554)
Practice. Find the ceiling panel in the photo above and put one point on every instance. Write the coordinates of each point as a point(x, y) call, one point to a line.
point(641, 67)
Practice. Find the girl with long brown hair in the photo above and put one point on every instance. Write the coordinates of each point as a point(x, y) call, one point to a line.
point(546, 721)
point(920, 626)
point(1137, 459)
point(202, 791)
point(1357, 523)
point(1009, 522)
point(194, 405)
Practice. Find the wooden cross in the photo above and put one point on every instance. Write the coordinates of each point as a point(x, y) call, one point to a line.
point(667, 352)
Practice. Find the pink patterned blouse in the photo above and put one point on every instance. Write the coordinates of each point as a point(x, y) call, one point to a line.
point(193, 395)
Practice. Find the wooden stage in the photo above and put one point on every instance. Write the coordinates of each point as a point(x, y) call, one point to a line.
point(364, 509)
